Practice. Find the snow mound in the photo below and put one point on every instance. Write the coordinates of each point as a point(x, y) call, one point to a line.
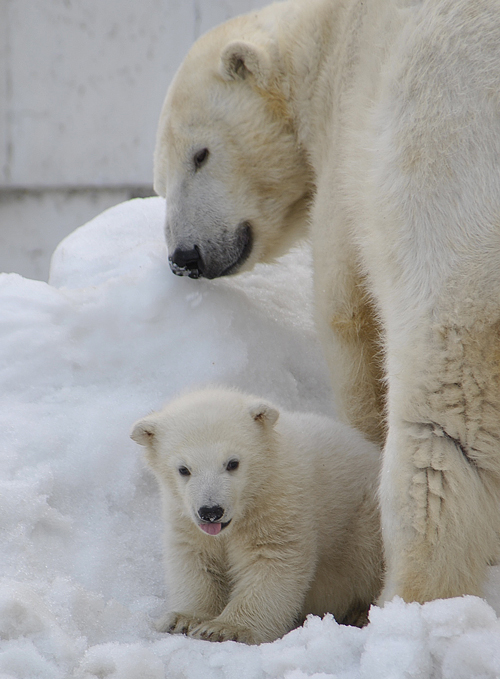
point(112, 336)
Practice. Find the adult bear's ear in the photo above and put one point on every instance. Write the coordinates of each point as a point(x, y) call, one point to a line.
point(264, 413)
point(143, 431)
point(239, 58)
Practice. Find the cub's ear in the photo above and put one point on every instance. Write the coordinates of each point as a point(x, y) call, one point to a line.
point(143, 431)
point(238, 59)
point(264, 413)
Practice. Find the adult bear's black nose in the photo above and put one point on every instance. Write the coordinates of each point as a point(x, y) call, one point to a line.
point(187, 262)
point(211, 514)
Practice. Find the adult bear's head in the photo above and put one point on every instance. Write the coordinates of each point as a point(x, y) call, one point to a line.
point(227, 159)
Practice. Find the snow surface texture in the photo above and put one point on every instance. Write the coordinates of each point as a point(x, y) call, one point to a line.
point(111, 337)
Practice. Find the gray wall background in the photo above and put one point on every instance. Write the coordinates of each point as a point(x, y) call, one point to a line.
point(81, 87)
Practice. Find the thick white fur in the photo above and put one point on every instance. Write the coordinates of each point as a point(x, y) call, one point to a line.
point(304, 533)
point(390, 110)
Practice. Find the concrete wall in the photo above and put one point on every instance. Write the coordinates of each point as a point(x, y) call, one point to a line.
point(81, 87)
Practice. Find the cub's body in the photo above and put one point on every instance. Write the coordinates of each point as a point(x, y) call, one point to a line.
point(267, 518)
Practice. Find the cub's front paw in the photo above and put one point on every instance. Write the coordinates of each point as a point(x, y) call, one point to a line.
point(212, 630)
point(177, 623)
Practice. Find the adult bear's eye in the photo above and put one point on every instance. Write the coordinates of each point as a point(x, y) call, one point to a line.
point(184, 471)
point(232, 465)
point(200, 158)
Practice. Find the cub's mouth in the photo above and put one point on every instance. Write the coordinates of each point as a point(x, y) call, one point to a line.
point(213, 528)
point(208, 262)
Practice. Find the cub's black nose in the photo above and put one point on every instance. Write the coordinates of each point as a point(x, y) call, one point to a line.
point(186, 262)
point(211, 514)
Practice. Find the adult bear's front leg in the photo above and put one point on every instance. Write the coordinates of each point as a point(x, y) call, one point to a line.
point(441, 471)
point(350, 335)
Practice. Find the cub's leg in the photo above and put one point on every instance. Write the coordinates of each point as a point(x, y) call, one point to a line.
point(270, 584)
point(197, 587)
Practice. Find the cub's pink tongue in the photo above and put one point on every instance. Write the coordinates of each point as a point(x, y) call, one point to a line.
point(211, 528)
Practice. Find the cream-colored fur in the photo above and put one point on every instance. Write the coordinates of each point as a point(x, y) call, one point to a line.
point(388, 112)
point(299, 532)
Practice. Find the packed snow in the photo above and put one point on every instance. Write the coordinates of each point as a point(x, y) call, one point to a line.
point(112, 336)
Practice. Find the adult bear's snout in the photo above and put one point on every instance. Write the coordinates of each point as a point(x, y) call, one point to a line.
point(187, 262)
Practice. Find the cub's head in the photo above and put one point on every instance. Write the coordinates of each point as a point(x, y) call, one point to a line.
point(210, 451)
point(237, 183)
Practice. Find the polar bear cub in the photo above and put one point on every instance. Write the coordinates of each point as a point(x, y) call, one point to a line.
point(269, 516)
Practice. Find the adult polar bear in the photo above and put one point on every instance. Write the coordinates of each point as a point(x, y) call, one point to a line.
point(379, 120)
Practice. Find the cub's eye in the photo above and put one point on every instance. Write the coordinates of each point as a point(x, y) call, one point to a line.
point(232, 465)
point(184, 471)
point(200, 158)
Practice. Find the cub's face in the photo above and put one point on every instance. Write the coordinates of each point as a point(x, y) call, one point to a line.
point(209, 455)
point(210, 482)
point(227, 160)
